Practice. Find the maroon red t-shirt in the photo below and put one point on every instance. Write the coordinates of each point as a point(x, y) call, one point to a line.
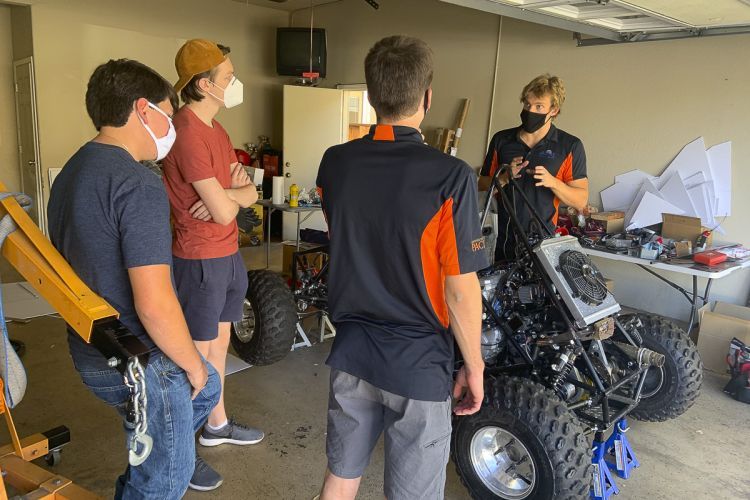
point(200, 152)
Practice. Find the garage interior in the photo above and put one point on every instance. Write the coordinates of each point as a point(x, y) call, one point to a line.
point(644, 78)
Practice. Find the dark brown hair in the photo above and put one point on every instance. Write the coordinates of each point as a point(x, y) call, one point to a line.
point(115, 85)
point(398, 71)
point(191, 92)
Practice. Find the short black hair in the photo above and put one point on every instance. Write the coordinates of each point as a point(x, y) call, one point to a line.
point(191, 92)
point(115, 85)
point(398, 72)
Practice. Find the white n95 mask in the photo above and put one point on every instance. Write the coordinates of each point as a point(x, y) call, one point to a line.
point(233, 93)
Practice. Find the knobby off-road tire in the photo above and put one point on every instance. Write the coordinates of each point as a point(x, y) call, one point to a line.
point(266, 333)
point(522, 419)
point(669, 391)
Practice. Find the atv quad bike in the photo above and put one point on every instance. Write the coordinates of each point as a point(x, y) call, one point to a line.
point(267, 330)
point(562, 366)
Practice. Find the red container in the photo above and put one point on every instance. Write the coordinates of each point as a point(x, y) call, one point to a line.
point(710, 258)
point(243, 157)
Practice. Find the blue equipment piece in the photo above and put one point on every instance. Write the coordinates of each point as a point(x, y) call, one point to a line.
point(603, 483)
point(618, 449)
point(614, 454)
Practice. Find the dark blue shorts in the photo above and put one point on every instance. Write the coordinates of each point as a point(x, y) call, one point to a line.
point(211, 291)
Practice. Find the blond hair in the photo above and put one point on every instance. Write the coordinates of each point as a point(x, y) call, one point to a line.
point(546, 84)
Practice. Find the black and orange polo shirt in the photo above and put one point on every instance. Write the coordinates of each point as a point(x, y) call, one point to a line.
point(401, 217)
point(560, 153)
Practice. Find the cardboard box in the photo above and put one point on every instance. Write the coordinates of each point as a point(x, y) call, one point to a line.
point(683, 248)
point(720, 322)
point(290, 247)
point(683, 228)
point(614, 222)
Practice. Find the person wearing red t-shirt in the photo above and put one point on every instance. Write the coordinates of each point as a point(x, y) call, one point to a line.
point(206, 188)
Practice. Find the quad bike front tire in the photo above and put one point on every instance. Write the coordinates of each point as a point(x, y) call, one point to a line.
point(668, 391)
point(266, 332)
point(524, 444)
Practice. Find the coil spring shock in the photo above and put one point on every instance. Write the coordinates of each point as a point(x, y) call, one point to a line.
point(564, 367)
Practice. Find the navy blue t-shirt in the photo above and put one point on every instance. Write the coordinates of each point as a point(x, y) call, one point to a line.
point(108, 213)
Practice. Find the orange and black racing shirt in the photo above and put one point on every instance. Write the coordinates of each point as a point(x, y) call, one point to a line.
point(401, 217)
point(559, 152)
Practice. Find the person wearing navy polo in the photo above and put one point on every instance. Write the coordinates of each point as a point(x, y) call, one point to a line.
point(549, 165)
point(405, 247)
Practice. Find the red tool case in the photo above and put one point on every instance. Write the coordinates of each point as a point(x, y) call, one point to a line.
point(710, 258)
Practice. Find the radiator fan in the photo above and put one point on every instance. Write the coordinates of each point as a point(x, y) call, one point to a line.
point(583, 277)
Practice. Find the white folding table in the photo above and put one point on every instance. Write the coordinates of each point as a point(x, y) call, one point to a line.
point(681, 266)
point(308, 210)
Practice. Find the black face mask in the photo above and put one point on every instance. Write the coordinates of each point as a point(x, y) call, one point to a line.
point(531, 122)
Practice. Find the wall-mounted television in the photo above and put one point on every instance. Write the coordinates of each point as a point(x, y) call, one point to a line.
point(293, 51)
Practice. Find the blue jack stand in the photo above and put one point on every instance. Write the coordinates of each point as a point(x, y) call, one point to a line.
point(603, 486)
point(618, 447)
point(616, 454)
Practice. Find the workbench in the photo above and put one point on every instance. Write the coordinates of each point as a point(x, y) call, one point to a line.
point(308, 210)
point(684, 266)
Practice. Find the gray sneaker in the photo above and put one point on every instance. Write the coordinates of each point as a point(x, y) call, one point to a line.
point(232, 433)
point(204, 477)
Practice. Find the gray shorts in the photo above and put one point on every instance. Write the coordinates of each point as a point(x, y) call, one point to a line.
point(211, 291)
point(417, 437)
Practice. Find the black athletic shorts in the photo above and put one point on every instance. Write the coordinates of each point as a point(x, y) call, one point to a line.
point(211, 291)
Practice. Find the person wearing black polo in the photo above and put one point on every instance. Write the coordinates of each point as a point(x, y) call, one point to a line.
point(548, 164)
point(405, 247)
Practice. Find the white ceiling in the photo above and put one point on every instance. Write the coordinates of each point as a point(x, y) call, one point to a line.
point(627, 20)
point(699, 13)
point(288, 5)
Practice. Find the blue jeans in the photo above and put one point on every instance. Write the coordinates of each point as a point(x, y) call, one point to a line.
point(173, 419)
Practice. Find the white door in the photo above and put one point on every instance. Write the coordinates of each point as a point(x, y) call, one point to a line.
point(28, 138)
point(312, 124)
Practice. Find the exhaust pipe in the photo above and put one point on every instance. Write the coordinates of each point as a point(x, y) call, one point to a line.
point(644, 357)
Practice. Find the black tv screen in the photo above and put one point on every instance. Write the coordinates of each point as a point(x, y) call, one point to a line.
point(293, 51)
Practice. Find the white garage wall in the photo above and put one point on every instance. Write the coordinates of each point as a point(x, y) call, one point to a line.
point(72, 37)
point(9, 171)
point(635, 106)
point(464, 43)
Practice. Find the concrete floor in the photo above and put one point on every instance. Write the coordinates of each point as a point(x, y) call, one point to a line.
point(701, 455)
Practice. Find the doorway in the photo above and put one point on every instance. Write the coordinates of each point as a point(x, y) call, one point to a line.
point(28, 138)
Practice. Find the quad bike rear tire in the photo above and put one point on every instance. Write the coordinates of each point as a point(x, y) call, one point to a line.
point(669, 391)
point(266, 333)
point(527, 429)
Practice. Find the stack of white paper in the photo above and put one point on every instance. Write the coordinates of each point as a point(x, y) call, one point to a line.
point(697, 183)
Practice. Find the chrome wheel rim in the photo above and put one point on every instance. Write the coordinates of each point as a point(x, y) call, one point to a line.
point(653, 383)
point(502, 463)
point(245, 328)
